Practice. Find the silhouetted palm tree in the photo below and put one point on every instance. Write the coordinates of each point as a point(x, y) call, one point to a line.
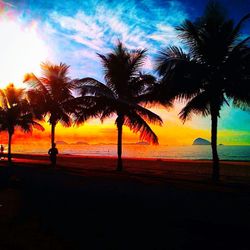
point(214, 71)
point(15, 111)
point(50, 95)
point(121, 95)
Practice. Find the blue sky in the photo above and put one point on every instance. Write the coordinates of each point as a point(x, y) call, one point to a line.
point(77, 30)
point(74, 31)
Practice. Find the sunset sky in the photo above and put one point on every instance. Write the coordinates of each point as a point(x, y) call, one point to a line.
point(73, 31)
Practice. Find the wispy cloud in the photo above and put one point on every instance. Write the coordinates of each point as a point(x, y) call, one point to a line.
point(81, 29)
point(95, 29)
point(76, 32)
point(165, 35)
point(6, 4)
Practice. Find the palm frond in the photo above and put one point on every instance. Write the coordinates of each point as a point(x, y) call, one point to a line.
point(237, 76)
point(121, 67)
point(51, 94)
point(65, 119)
point(38, 102)
point(241, 45)
point(27, 123)
point(37, 126)
point(243, 104)
point(136, 61)
point(148, 115)
point(167, 59)
point(82, 115)
point(93, 87)
point(4, 100)
point(35, 83)
point(199, 105)
point(189, 34)
point(16, 111)
point(13, 95)
point(138, 125)
point(236, 31)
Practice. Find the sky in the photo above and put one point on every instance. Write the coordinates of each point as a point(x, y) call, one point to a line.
point(73, 31)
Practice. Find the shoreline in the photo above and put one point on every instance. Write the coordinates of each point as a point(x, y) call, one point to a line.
point(28, 155)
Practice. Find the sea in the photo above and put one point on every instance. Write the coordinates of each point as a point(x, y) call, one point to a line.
point(198, 152)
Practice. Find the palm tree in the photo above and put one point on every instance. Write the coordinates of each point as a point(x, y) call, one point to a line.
point(15, 111)
point(215, 70)
point(51, 94)
point(120, 96)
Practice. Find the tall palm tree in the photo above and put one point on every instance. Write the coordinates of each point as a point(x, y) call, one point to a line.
point(215, 70)
point(120, 96)
point(51, 94)
point(15, 111)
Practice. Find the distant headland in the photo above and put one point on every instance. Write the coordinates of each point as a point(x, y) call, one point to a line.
point(201, 141)
point(73, 143)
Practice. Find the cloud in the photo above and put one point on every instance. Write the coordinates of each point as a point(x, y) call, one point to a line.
point(81, 29)
point(165, 35)
point(75, 33)
point(97, 32)
point(96, 27)
point(6, 4)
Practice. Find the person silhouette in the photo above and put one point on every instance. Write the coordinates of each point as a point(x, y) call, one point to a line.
point(53, 154)
point(1, 152)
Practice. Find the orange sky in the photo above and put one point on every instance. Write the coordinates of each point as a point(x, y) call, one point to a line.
point(172, 133)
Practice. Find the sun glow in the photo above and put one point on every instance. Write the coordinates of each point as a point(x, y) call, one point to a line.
point(22, 51)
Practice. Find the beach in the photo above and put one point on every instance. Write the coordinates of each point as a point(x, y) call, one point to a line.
point(154, 204)
point(161, 170)
point(124, 125)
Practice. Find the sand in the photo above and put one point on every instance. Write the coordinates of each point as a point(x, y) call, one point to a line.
point(154, 204)
point(147, 170)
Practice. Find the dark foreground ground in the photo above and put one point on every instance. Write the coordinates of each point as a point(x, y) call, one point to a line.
point(152, 205)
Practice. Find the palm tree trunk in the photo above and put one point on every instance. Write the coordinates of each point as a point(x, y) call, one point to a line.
point(51, 154)
point(9, 148)
point(53, 126)
point(120, 121)
point(216, 168)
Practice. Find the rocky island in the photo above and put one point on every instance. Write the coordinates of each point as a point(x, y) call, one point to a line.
point(201, 141)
